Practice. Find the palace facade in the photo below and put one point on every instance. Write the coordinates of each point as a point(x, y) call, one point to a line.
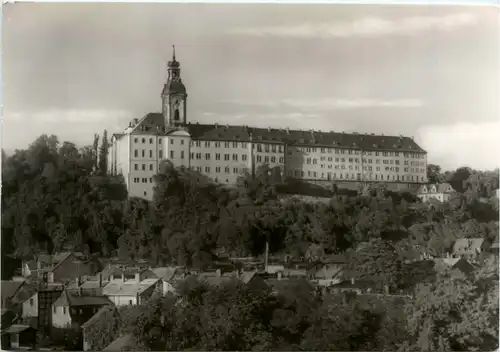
point(224, 152)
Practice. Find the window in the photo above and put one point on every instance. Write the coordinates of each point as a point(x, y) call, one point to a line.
point(143, 167)
point(244, 157)
point(143, 153)
point(282, 159)
point(150, 180)
point(207, 156)
point(217, 169)
point(226, 144)
point(182, 141)
point(243, 145)
point(145, 193)
point(235, 144)
point(130, 301)
point(266, 148)
point(32, 302)
point(226, 157)
point(266, 159)
point(150, 140)
point(159, 140)
point(136, 153)
point(160, 154)
point(182, 154)
point(235, 170)
point(150, 153)
point(235, 157)
point(207, 168)
point(273, 148)
point(315, 161)
point(226, 169)
point(259, 158)
point(171, 154)
point(217, 156)
point(144, 140)
point(64, 310)
point(273, 159)
point(171, 141)
point(150, 167)
point(217, 144)
point(136, 140)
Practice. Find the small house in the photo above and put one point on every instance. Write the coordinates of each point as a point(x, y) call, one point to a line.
point(442, 192)
point(18, 337)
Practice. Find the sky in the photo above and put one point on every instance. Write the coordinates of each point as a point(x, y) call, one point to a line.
point(428, 72)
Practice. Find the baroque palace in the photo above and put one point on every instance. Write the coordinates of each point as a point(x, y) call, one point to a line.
point(224, 152)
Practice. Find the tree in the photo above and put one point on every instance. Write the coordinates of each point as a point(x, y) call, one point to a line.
point(434, 174)
point(103, 154)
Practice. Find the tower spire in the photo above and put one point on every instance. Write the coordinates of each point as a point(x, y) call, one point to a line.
point(173, 51)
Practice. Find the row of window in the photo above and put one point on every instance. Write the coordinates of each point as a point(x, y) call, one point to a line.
point(271, 159)
point(216, 144)
point(357, 152)
point(227, 157)
point(353, 176)
point(143, 167)
point(218, 169)
point(143, 180)
point(75, 310)
point(264, 147)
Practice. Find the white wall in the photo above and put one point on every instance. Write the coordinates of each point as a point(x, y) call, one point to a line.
point(123, 300)
point(60, 316)
point(30, 307)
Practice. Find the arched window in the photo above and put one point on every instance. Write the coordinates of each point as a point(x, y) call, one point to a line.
point(176, 115)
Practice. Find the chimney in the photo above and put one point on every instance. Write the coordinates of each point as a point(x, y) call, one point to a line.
point(266, 256)
point(99, 279)
point(217, 273)
point(138, 277)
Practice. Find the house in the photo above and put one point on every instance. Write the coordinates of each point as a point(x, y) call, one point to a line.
point(18, 337)
point(72, 311)
point(453, 263)
point(168, 276)
point(469, 248)
point(326, 274)
point(442, 192)
point(45, 297)
point(60, 267)
point(131, 292)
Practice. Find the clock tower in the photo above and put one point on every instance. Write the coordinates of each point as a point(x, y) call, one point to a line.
point(174, 96)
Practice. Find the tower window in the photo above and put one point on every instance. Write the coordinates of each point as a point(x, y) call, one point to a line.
point(171, 154)
point(144, 140)
point(176, 115)
point(150, 140)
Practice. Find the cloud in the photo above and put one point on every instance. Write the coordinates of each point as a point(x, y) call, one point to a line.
point(365, 27)
point(69, 116)
point(326, 104)
point(20, 128)
point(475, 145)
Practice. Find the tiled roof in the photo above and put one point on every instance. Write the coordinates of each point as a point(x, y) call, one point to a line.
point(467, 245)
point(440, 188)
point(16, 329)
point(120, 344)
point(10, 288)
point(165, 273)
point(153, 123)
point(127, 288)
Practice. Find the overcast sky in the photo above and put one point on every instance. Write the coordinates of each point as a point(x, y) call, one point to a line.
point(431, 72)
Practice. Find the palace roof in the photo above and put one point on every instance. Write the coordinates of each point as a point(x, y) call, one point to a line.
point(153, 123)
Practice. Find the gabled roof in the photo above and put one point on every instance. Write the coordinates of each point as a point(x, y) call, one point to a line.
point(165, 273)
point(439, 188)
point(16, 329)
point(74, 300)
point(10, 288)
point(119, 344)
point(471, 245)
point(98, 315)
